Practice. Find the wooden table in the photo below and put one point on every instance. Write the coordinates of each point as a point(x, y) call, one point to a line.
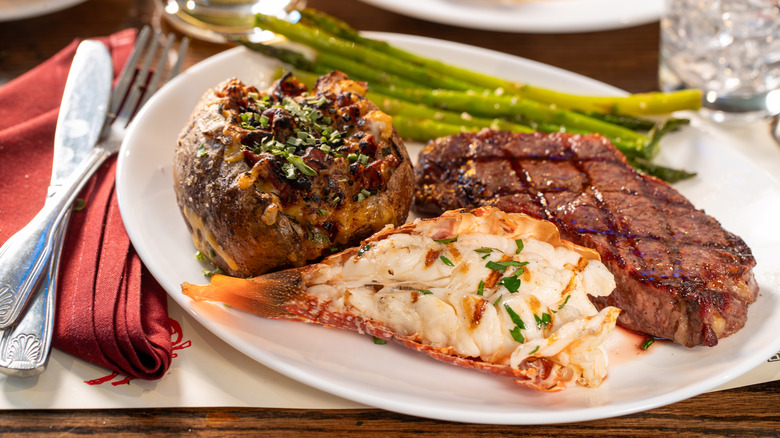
point(624, 58)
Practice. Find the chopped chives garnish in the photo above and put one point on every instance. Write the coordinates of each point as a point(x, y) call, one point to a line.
point(517, 335)
point(446, 241)
point(208, 273)
point(512, 284)
point(289, 171)
point(543, 321)
point(514, 316)
point(300, 165)
point(79, 204)
point(501, 266)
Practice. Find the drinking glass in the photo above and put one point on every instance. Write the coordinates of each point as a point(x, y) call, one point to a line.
point(222, 20)
point(730, 49)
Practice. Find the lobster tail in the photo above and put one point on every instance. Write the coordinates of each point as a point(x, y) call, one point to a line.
point(495, 292)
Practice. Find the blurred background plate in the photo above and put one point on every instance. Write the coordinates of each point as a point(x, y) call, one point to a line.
point(530, 16)
point(19, 9)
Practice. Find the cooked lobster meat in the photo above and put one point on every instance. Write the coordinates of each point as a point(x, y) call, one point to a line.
point(679, 274)
point(281, 177)
point(493, 291)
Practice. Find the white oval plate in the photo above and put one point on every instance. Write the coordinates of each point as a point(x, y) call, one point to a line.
point(20, 9)
point(530, 16)
point(394, 378)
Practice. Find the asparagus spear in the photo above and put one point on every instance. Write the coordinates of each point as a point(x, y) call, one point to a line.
point(296, 59)
point(291, 57)
point(426, 129)
point(448, 121)
point(631, 122)
point(659, 130)
point(652, 103)
point(326, 62)
point(661, 172)
point(343, 30)
point(409, 112)
point(512, 107)
point(325, 42)
point(415, 113)
point(412, 111)
point(359, 71)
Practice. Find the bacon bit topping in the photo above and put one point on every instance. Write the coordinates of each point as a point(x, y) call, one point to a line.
point(475, 308)
point(431, 257)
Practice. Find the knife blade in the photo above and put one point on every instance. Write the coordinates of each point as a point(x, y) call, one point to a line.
point(83, 110)
point(24, 346)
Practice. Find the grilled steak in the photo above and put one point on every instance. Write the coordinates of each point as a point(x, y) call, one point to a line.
point(679, 274)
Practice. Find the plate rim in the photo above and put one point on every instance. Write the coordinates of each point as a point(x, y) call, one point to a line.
point(34, 8)
point(532, 16)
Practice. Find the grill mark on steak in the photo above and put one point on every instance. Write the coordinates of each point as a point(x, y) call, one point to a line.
point(680, 275)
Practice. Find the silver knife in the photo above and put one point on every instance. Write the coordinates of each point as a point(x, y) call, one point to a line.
point(24, 346)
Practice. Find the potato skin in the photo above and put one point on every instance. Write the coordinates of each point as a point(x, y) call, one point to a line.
point(248, 219)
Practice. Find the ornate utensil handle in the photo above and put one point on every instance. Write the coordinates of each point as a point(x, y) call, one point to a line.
point(25, 346)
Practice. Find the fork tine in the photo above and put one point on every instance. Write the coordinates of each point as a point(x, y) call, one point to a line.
point(128, 72)
point(154, 83)
point(185, 42)
point(139, 83)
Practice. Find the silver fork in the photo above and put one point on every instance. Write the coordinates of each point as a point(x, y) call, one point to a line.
point(25, 346)
point(134, 89)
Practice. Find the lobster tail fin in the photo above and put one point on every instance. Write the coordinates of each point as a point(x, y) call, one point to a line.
point(263, 296)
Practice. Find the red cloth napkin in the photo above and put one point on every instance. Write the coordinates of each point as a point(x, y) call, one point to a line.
point(110, 311)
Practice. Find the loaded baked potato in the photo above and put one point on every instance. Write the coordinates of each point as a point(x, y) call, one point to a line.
point(274, 179)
